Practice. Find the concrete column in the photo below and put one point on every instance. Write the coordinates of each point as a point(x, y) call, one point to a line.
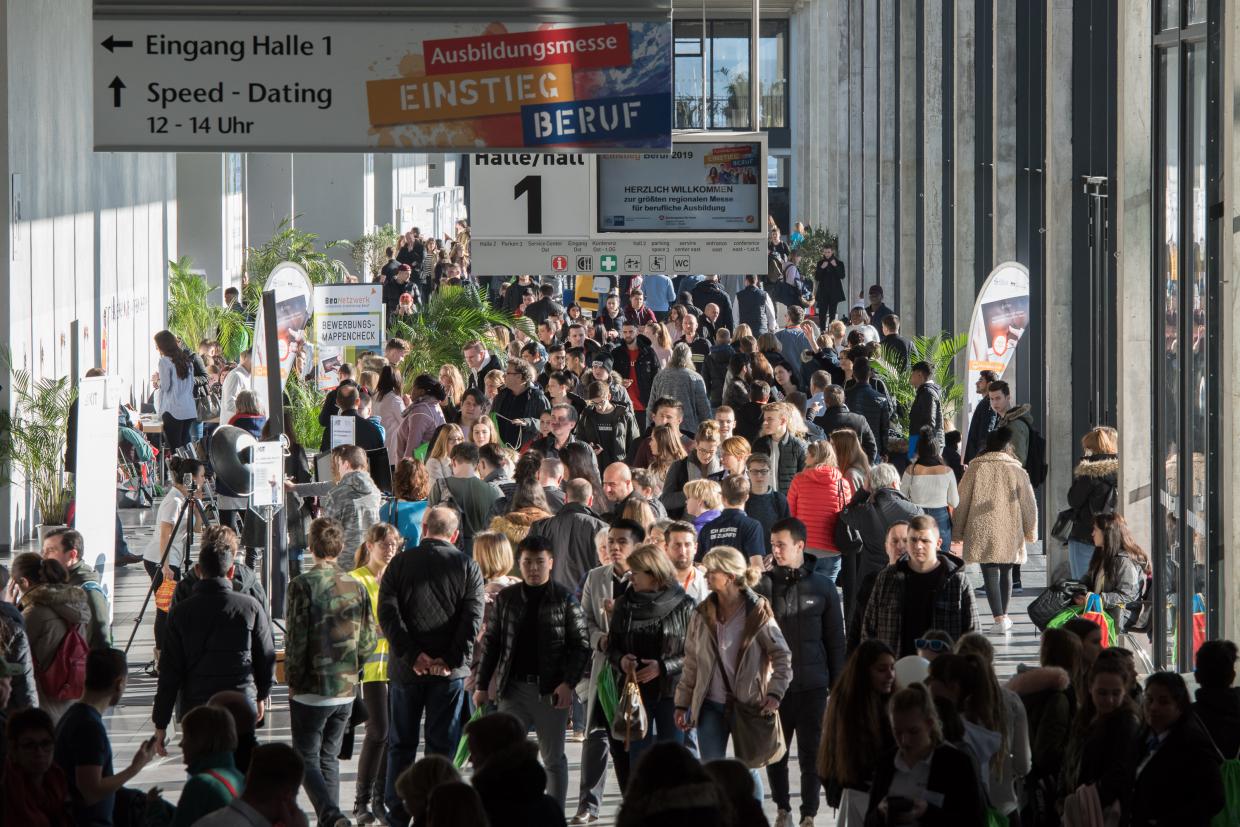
point(907, 181)
point(1132, 197)
point(268, 194)
point(856, 147)
point(869, 145)
point(384, 190)
point(932, 170)
point(889, 127)
point(1229, 312)
point(336, 217)
point(200, 217)
point(1059, 436)
point(838, 121)
point(1003, 105)
point(965, 173)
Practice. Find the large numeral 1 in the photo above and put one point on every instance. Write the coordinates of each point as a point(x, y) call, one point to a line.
point(531, 186)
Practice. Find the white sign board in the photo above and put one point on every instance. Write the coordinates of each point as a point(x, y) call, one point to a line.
point(348, 320)
point(267, 476)
point(239, 82)
point(344, 431)
point(699, 209)
point(95, 474)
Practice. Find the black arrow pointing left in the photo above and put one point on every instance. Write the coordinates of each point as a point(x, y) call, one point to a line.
point(116, 86)
point(112, 44)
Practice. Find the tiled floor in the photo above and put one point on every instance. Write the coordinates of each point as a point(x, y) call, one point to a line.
point(130, 722)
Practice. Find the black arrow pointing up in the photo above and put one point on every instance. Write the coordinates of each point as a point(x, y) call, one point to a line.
point(112, 44)
point(116, 86)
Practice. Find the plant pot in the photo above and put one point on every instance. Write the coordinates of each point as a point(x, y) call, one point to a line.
point(45, 530)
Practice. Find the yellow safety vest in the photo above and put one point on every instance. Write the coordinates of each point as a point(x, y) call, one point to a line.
point(376, 666)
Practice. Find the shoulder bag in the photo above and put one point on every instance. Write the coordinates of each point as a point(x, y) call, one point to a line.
point(757, 736)
point(630, 722)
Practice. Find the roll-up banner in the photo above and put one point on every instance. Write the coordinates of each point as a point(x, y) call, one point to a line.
point(95, 471)
point(1000, 319)
point(348, 320)
point(294, 308)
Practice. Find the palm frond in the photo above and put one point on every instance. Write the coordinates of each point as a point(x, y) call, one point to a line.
point(305, 402)
point(194, 316)
point(940, 351)
point(288, 244)
point(33, 439)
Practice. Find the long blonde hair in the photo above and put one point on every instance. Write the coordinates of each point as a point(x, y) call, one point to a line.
point(443, 443)
point(455, 386)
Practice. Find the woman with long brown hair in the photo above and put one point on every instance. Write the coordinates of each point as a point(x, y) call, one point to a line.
point(175, 404)
point(411, 488)
point(849, 457)
point(857, 731)
point(1117, 568)
point(665, 449)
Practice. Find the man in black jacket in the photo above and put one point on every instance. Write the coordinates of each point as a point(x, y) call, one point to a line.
point(983, 419)
point(807, 608)
point(892, 342)
point(715, 366)
point(216, 639)
point(572, 532)
point(861, 530)
point(519, 404)
point(537, 649)
point(927, 410)
point(545, 306)
point(838, 416)
point(709, 292)
point(864, 399)
point(635, 361)
point(480, 362)
point(430, 610)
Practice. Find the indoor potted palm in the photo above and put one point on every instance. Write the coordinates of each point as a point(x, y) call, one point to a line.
point(32, 443)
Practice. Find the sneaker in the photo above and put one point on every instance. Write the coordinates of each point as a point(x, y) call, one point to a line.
point(1017, 588)
point(576, 737)
point(341, 821)
point(362, 815)
point(1002, 627)
point(583, 818)
point(783, 818)
point(806, 821)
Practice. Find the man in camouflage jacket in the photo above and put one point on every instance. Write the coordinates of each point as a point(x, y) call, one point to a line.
point(330, 633)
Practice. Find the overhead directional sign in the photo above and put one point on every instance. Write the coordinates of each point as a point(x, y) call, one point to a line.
point(182, 85)
point(700, 208)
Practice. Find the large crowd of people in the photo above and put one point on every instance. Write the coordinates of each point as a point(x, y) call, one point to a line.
point(676, 530)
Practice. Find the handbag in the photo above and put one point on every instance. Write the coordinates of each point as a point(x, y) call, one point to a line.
point(1062, 529)
point(631, 722)
point(1100, 617)
point(1053, 600)
point(208, 406)
point(757, 736)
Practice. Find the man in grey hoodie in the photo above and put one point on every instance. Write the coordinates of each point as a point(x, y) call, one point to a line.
point(352, 499)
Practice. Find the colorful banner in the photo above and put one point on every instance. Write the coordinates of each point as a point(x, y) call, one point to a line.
point(348, 321)
point(293, 314)
point(516, 86)
point(1000, 318)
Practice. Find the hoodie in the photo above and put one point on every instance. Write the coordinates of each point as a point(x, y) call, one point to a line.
point(1020, 422)
point(715, 372)
point(354, 502)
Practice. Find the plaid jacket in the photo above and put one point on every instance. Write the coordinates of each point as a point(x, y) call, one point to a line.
point(954, 610)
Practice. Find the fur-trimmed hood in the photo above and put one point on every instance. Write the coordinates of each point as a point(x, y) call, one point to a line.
point(1097, 466)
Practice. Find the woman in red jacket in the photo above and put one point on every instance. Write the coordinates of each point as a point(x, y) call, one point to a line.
point(816, 497)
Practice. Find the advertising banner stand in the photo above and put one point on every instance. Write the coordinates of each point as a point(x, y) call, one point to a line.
point(95, 470)
point(348, 321)
point(1000, 318)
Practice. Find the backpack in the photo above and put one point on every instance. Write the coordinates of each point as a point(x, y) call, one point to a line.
point(1229, 769)
point(1035, 458)
point(775, 266)
point(64, 679)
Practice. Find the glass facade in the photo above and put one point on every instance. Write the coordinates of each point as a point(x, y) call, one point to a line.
point(1186, 523)
point(712, 74)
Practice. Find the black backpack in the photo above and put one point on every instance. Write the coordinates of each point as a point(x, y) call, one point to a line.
point(1035, 458)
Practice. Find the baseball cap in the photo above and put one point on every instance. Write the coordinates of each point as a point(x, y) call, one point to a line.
point(601, 360)
point(405, 268)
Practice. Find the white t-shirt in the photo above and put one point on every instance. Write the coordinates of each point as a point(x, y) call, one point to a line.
point(168, 510)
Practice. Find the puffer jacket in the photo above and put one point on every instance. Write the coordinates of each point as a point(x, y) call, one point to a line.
point(50, 611)
point(997, 513)
point(1093, 492)
point(791, 459)
point(17, 651)
point(687, 387)
point(652, 626)
point(430, 601)
point(715, 372)
point(816, 497)
point(516, 525)
point(807, 608)
point(216, 639)
point(763, 667)
point(563, 646)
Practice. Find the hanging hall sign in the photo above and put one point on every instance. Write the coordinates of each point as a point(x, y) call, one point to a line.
point(381, 85)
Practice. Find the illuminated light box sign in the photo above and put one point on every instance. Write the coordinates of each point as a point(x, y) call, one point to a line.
point(183, 84)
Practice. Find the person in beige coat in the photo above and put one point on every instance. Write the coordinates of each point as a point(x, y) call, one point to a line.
point(996, 516)
point(734, 650)
point(51, 606)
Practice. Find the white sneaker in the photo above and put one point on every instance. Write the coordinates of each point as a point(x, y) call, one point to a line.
point(783, 818)
point(1002, 627)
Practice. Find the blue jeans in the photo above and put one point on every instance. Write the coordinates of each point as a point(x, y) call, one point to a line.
point(829, 563)
point(714, 727)
point(944, 519)
point(662, 714)
point(441, 700)
point(1079, 555)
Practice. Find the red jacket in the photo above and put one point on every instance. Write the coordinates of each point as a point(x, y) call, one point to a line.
point(816, 497)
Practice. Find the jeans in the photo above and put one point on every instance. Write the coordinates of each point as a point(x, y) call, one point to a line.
point(944, 518)
point(662, 715)
point(372, 763)
point(829, 563)
point(998, 577)
point(578, 714)
point(1079, 556)
point(594, 752)
point(177, 432)
point(714, 727)
point(800, 712)
point(537, 710)
point(441, 700)
point(317, 734)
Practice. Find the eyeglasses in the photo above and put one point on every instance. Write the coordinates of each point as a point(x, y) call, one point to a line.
point(759, 472)
point(938, 646)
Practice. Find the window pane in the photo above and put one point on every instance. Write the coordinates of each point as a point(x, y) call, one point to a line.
point(773, 73)
point(1168, 14)
point(729, 61)
point(1168, 550)
point(1195, 353)
point(1196, 11)
point(688, 72)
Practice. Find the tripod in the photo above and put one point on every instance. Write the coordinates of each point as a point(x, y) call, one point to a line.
point(190, 505)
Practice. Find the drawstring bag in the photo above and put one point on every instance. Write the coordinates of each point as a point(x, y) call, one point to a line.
point(608, 694)
point(462, 746)
point(631, 723)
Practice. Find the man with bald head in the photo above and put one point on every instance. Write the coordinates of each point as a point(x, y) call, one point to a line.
point(618, 488)
point(430, 608)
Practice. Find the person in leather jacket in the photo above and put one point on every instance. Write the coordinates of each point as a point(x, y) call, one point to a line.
point(537, 648)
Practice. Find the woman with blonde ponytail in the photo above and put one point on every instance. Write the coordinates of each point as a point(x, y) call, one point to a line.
point(734, 654)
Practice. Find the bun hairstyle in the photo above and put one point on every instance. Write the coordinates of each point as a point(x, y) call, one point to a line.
point(729, 560)
point(431, 386)
point(180, 466)
point(39, 571)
